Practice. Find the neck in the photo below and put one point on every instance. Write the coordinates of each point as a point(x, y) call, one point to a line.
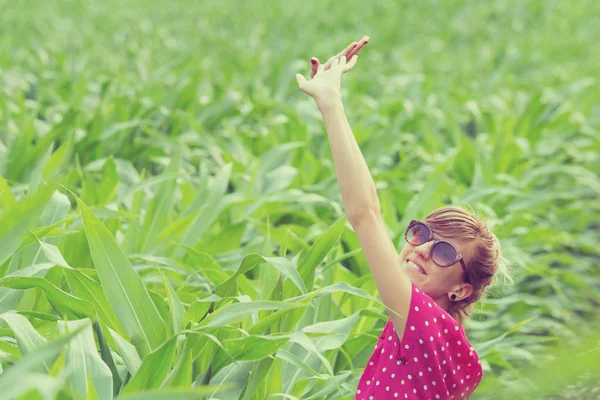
point(443, 302)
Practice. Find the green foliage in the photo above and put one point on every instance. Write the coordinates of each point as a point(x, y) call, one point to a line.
point(170, 222)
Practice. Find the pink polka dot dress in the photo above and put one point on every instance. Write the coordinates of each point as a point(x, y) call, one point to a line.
point(434, 359)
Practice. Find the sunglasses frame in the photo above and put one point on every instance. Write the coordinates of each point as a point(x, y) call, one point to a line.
point(436, 239)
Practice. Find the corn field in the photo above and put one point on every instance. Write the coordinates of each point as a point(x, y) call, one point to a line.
point(170, 221)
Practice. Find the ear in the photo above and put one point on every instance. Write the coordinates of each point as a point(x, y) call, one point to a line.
point(465, 291)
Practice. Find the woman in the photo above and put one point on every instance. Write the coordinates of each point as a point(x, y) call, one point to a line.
point(429, 288)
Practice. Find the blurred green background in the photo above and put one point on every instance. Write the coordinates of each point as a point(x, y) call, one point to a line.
point(180, 125)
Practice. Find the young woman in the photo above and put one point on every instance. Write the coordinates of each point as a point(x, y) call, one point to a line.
point(429, 288)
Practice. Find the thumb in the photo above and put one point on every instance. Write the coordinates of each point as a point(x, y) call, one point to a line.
point(301, 80)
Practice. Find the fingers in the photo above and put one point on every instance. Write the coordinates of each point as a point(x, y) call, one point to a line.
point(314, 65)
point(350, 65)
point(348, 49)
point(362, 43)
point(301, 80)
point(349, 52)
point(330, 62)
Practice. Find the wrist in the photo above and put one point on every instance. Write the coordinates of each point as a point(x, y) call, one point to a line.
point(329, 99)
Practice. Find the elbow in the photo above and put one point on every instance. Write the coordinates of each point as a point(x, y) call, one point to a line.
point(360, 213)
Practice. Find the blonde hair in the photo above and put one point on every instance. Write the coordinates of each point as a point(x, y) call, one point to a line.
point(484, 260)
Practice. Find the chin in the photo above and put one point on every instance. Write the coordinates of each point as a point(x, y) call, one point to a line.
point(415, 278)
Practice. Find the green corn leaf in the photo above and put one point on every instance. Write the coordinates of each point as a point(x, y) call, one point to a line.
point(82, 356)
point(123, 287)
point(61, 301)
point(17, 220)
point(17, 379)
point(154, 368)
point(128, 353)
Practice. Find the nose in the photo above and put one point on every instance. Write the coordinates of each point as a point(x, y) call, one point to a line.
point(423, 249)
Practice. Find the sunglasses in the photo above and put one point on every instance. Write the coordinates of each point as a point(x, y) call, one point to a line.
point(442, 253)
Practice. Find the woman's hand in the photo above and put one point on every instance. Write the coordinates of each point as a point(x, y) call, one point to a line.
point(352, 49)
point(325, 85)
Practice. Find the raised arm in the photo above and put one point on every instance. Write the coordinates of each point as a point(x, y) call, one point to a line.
point(359, 196)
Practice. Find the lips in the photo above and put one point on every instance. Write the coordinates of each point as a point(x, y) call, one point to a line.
point(418, 264)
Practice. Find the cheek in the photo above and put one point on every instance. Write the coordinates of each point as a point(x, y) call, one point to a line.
point(449, 274)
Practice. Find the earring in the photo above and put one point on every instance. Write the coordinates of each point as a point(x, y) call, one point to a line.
point(453, 297)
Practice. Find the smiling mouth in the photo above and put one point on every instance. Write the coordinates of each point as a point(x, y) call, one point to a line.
point(415, 266)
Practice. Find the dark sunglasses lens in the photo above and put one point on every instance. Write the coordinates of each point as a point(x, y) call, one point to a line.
point(444, 254)
point(417, 234)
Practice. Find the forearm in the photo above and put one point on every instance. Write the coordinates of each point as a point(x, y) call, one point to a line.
point(354, 179)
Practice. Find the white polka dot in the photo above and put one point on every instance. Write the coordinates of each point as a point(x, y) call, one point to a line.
point(433, 383)
point(439, 334)
point(396, 394)
point(420, 373)
point(435, 352)
point(391, 356)
point(458, 354)
point(468, 376)
point(425, 355)
point(412, 328)
point(443, 316)
point(459, 342)
point(417, 290)
point(377, 383)
point(447, 344)
point(406, 346)
point(445, 376)
point(414, 390)
point(387, 388)
point(405, 396)
point(384, 369)
point(409, 376)
point(416, 308)
point(402, 382)
point(470, 354)
point(371, 363)
point(421, 341)
point(479, 373)
point(370, 397)
point(454, 385)
point(398, 362)
point(456, 328)
point(469, 364)
point(453, 372)
point(443, 348)
point(424, 387)
point(434, 319)
point(368, 382)
point(445, 330)
point(462, 381)
point(444, 362)
point(462, 394)
point(390, 337)
point(437, 396)
point(458, 367)
point(429, 304)
point(431, 338)
point(358, 391)
point(382, 350)
point(429, 369)
point(393, 376)
point(416, 359)
point(426, 323)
